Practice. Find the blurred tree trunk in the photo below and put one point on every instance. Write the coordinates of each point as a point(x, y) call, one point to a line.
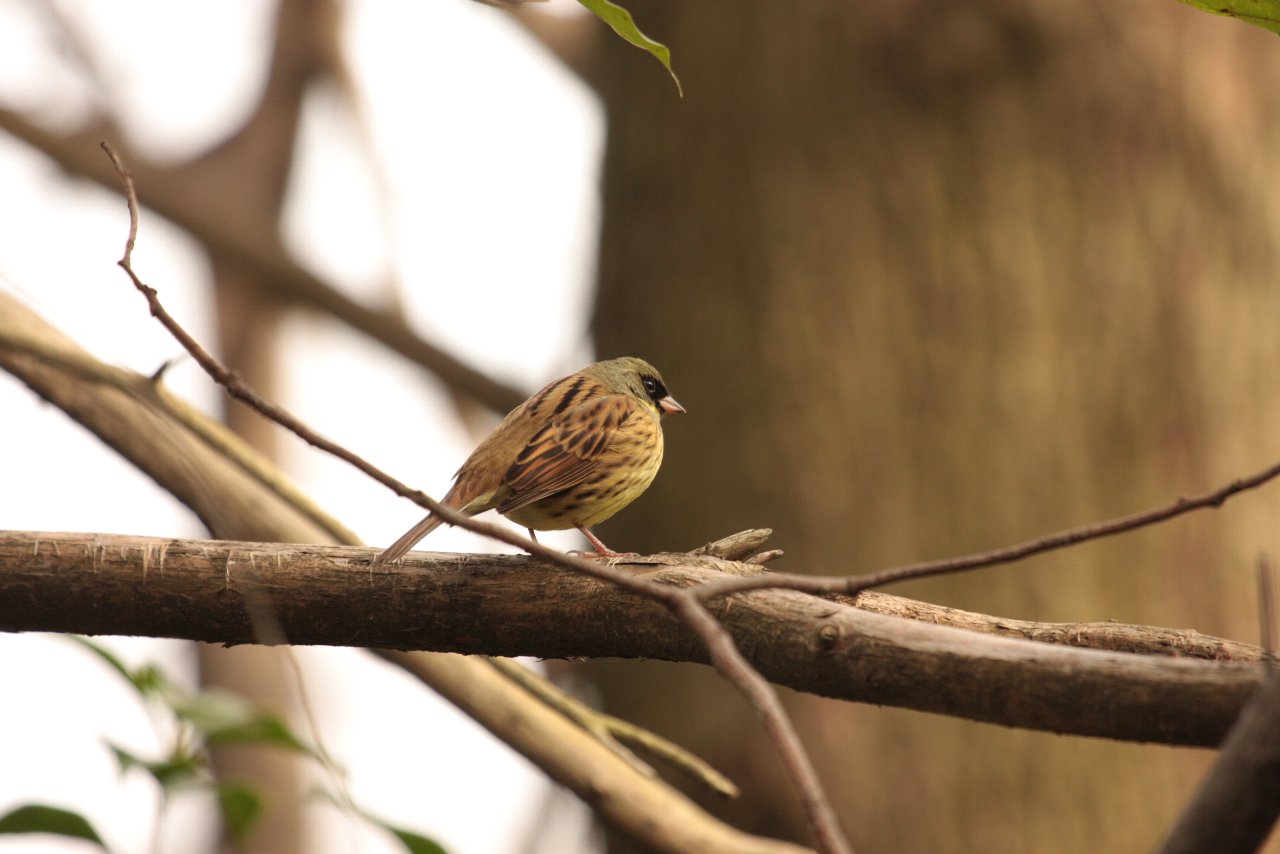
point(248, 329)
point(932, 278)
point(258, 158)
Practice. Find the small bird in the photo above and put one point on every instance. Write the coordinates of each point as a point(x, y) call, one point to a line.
point(571, 456)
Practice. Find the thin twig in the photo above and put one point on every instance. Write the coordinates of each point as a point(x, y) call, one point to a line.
point(728, 659)
point(1267, 606)
point(572, 708)
point(613, 731)
point(852, 585)
point(231, 382)
point(723, 652)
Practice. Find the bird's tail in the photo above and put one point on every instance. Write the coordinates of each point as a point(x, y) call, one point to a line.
point(400, 547)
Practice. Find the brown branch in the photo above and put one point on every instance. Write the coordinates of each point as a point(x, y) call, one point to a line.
point(720, 645)
point(1106, 635)
point(1237, 804)
point(852, 585)
point(506, 604)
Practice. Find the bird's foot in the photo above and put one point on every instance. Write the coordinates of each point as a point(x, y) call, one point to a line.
point(608, 552)
point(601, 550)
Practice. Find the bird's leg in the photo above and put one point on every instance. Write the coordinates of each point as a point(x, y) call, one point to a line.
point(532, 535)
point(601, 549)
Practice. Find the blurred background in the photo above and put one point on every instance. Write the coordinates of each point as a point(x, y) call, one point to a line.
point(929, 279)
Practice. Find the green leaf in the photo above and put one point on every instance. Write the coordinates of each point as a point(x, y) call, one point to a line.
point(1260, 13)
point(263, 729)
point(241, 808)
point(41, 818)
point(624, 25)
point(213, 710)
point(170, 773)
point(105, 654)
point(225, 718)
point(414, 843)
point(146, 680)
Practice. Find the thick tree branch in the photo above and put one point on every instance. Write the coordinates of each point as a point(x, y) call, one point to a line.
point(512, 605)
point(1106, 635)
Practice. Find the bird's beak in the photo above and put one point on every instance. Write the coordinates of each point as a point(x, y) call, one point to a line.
point(668, 404)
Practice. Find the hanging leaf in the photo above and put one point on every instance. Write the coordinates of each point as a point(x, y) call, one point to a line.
point(624, 25)
point(171, 772)
point(214, 710)
point(414, 843)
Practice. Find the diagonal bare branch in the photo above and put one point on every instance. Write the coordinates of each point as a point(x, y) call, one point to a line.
point(727, 659)
point(854, 584)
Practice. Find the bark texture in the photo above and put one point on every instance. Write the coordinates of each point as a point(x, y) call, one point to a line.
point(929, 279)
point(260, 593)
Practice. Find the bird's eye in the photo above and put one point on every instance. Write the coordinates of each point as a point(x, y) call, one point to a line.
point(654, 388)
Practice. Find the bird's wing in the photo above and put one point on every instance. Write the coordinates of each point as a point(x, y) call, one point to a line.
point(565, 452)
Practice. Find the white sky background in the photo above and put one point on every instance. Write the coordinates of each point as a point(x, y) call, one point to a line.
point(491, 151)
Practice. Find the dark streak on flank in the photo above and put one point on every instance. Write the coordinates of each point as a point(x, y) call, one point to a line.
point(569, 396)
point(546, 392)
